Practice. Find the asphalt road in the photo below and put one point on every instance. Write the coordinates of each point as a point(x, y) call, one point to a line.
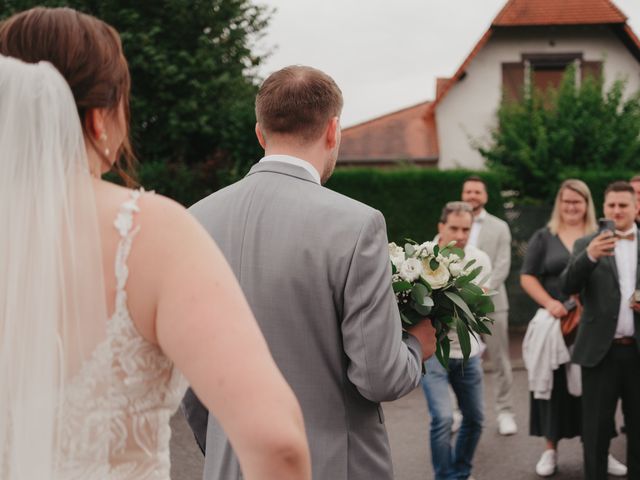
point(497, 457)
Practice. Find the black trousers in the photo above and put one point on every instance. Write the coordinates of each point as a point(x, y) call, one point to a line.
point(616, 376)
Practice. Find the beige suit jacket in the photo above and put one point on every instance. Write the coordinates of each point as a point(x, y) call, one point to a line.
point(495, 240)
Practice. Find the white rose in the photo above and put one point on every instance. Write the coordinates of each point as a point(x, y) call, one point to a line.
point(437, 278)
point(456, 268)
point(396, 254)
point(426, 248)
point(411, 269)
point(442, 260)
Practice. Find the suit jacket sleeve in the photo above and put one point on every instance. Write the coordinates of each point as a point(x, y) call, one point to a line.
point(576, 274)
point(197, 417)
point(502, 263)
point(382, 365)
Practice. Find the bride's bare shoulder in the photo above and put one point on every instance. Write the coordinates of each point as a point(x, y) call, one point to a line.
point(159, 217)
point(153, 207)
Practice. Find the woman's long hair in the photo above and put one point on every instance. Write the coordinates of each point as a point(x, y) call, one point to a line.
point(88, 53)
point(581, 188)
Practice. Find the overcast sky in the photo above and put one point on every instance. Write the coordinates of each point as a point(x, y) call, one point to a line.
point(384, 54)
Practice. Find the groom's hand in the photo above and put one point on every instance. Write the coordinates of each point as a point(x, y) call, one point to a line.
point(426, 335)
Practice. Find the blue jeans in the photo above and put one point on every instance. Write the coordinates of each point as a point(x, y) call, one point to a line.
point(454, 463)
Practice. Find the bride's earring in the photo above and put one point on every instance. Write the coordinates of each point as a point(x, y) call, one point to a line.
point(103, 137)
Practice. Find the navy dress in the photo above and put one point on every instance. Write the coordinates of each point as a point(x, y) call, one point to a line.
point(560, 416)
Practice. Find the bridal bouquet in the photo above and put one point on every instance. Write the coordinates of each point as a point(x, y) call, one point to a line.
point(439, 283)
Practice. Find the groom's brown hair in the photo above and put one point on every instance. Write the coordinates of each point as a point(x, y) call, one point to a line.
point(297, 101)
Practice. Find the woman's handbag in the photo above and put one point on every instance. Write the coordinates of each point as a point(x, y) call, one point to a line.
point(569, 323)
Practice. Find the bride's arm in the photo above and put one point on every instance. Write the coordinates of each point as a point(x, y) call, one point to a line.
point(204, 324)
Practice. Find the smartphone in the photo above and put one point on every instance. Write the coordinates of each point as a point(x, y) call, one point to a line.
point(570, 304)
point(605, 224)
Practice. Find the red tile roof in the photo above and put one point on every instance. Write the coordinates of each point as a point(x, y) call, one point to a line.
point(443, 87)
point(411, 133)
point(441, 82)
point(558, 12)
point(407, 134)
point(518, 13)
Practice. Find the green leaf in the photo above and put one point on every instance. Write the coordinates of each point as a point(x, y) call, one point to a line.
point(447, 320)
point(472, 294)
point(409, 250)
point(423, 310)
point(463, 337)
point(436, 250)
point(434, 264)
point(418, 293)
point(405, 319)
point(455, 298)
point(394, 270)
point(469, 263)
point(485, 306)
point(410, 316)
point(473, 274)
point(401, 286)
point(481, 327)
point(422, 281)
point(442, 352)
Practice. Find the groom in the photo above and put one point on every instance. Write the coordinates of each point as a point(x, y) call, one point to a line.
point(315, 268)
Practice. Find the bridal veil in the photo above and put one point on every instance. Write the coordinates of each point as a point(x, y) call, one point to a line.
point(53, 313)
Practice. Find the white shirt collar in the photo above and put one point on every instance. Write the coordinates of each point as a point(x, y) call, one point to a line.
point(481, 216)
point(633, 229)
point(294, 161)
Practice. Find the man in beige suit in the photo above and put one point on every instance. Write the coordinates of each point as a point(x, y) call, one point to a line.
point(315, 268)
point(492, 235)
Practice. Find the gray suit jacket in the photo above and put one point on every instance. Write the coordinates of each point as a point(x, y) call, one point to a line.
point(315, 268)
point(597, 284)
point(495, 241)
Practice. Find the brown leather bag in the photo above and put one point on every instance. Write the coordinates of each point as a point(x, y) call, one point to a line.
point(569, 323)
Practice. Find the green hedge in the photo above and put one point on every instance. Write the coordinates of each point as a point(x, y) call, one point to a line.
point(411, 199)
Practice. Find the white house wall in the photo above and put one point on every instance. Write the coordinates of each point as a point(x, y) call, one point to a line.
point(468, 112)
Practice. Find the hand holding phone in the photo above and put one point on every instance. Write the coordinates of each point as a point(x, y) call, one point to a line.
point(606, 225)
point(604, 243)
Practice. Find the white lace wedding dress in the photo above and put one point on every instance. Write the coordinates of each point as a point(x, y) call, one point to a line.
point(116, 426)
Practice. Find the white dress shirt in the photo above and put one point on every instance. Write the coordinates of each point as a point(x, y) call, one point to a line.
point(626, 254)
point(298, 162)
point(476, 227)
point(482, 260)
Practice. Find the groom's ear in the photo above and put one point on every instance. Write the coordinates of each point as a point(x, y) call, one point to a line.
point(260, 136)
point(332, 135)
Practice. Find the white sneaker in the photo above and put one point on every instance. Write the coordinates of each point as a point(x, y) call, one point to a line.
point(506, 424)
point(546, 466)
point(457, 421)
point(615, 468)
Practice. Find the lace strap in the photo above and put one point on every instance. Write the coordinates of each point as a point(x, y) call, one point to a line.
point(124, 224)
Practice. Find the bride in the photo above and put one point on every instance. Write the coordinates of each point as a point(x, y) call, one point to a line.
point(108, 294)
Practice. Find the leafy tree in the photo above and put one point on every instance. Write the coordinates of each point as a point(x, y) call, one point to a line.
point(193, 71)
point(543, 138)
